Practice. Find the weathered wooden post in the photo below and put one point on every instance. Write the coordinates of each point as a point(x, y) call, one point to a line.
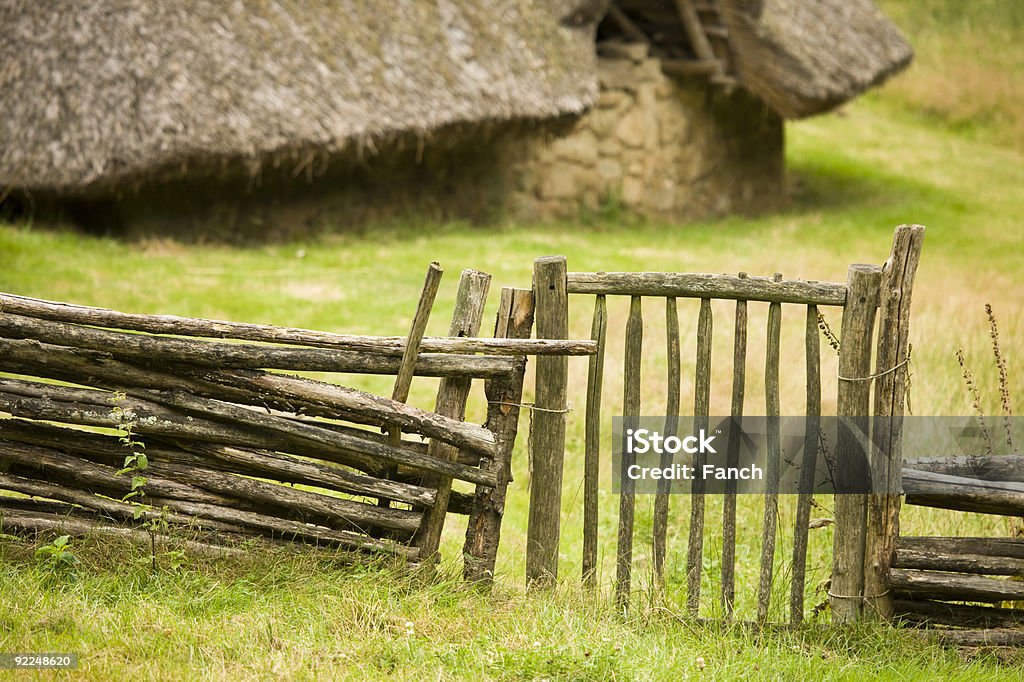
point(890, 395)
point(701, 408)
point(547, 437)
point(630, 416)
point(774, 455)
point(451, 402)
point(592, 454)
point(483, 532)
point(853, 404)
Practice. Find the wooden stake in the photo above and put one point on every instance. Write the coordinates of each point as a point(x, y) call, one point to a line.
point(661, 500)
point(739, 371)
point(483, 531)
point(808, 465)
point(592, 453)
point(701, 408)
point(774, 455)
point(630, 417)
point(548, 434)
point(853, 406)
point(883, 513)
point(451, 402)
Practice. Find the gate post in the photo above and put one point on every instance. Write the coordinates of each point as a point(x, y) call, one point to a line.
point(883, 513)
point(853, 405)
point(547, 433)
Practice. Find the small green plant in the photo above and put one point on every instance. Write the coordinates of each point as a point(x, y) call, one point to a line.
point(136, 462)
point(57, 556)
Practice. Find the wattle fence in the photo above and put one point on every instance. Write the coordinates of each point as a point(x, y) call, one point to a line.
point(151, 422)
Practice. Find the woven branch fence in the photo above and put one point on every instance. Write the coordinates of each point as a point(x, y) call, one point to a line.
point(233, 447)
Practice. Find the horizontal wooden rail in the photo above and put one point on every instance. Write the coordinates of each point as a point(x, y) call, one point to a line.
point(247, 386)
point(958, 563)
point(1005, 468)
point(190, 326)
point(156, 419)
point(700, 285)
point(158, 350)
point(248, 462)
point(16, 519)
point(927, 612)
point(998, 547)
point(955, 586)
point(927, 489)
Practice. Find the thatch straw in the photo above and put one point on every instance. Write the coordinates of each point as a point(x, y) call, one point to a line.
point(95, 92)
point(804, 57)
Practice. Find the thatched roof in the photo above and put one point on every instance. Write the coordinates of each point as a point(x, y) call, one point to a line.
point(804, 57)
point(94, 92)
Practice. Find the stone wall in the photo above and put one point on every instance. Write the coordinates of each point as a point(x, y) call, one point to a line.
point(659, 146)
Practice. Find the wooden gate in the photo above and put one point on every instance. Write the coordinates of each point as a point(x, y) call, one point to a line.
point(865, 524)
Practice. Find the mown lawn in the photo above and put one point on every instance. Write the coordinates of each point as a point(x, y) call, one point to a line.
point(853, 175)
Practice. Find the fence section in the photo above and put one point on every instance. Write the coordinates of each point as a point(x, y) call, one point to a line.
point(860, 556)
point(118, 418)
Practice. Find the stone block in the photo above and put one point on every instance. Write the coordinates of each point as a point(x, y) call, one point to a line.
point(578, 147)
point(631, 128)
point(610, 170)
point(633, 191)
point(612, 99)
point(558, 182)
point(609, 146)
point(622, 74)
point(662, 196)
point(603, 121)
point(647, 101)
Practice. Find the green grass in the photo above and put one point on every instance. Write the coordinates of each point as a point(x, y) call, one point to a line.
point(308, 616)
point(851, 186)
point(909, 154)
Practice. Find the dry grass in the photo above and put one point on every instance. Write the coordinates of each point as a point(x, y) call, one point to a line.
point(968, 65)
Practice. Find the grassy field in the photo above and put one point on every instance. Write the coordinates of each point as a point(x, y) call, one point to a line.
point(885, 160)
point(966, 73)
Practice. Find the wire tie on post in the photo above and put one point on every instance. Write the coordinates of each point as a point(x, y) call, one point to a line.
point(875, 376)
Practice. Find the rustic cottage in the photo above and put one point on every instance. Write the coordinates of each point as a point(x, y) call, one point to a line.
point(248, 118)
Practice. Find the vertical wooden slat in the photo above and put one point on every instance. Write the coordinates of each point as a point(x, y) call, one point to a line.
point(701, 408)
point(771, 495)
point(630, 413)
point(452, 394)
point(739, 366)
point(852, 406)
point(403, 381)
point(890, 391)
point(548, 433)
point(661, 500)
point(592, 453)
point(812, 346)
point(483, 531)
point(407, 367)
